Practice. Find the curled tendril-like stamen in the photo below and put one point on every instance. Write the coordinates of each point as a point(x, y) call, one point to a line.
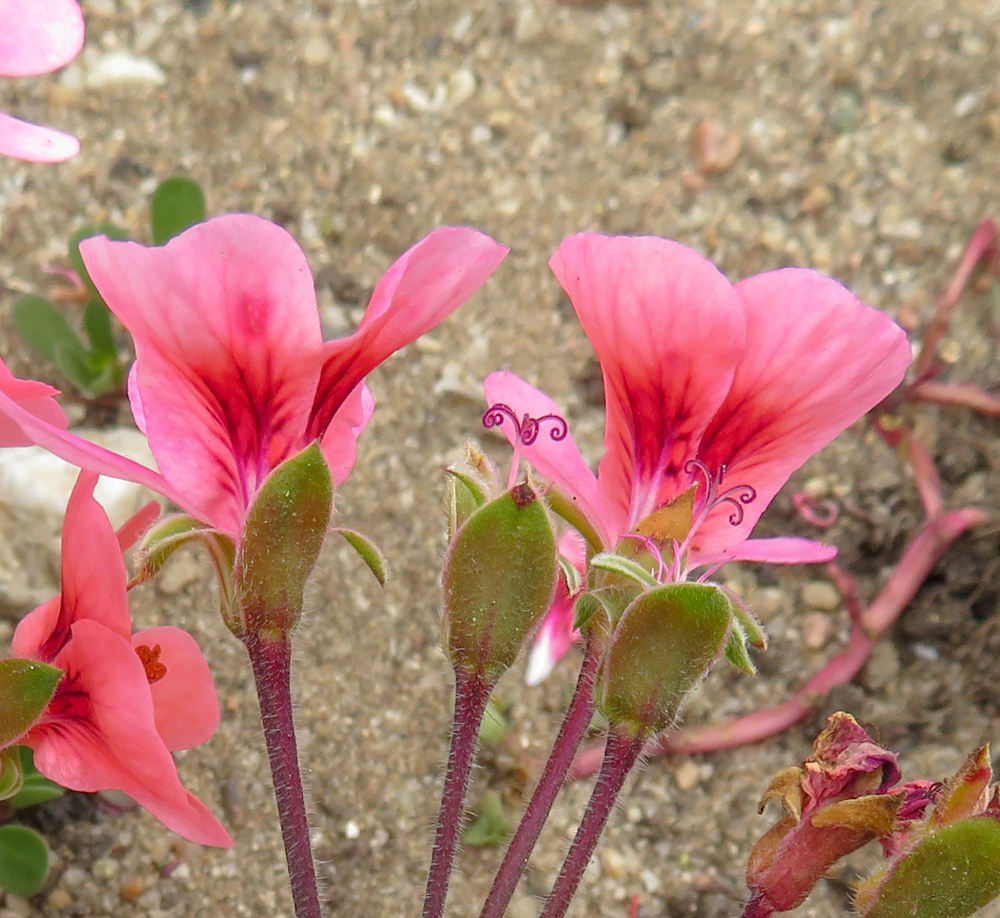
point(737, 496)
point(528, 428)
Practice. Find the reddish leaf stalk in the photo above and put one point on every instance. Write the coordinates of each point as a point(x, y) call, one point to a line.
point(920, 555)
point(620, 755)
point(472, 692)
point(578, 714)
point(271, 662)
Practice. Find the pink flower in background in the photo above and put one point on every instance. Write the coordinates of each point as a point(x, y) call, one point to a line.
point(715, 394)
point(37, 36)
point(126, 700)
point(231, 374)
point(35, 399)
point(713, 387)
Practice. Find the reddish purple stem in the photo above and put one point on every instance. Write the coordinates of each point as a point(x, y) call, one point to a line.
point(578, 715)
point(621, 752)
point(271, 662)
point(472, 692)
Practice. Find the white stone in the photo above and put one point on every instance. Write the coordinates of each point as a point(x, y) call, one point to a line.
point(121, 68)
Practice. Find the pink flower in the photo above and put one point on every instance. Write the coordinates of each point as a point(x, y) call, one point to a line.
point(37, 36)
point(126, 700)
point(231, 374)
point(715, 394)
point(34, 399)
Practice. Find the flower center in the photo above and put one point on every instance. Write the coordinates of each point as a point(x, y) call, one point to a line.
point(737, 496)
point(150, 657)
point(528, 428)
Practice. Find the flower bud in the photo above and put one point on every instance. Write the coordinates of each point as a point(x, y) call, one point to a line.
point(284, 531)
point(499, 579)
point(666, 642)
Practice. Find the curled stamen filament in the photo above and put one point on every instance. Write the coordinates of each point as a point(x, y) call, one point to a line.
point(527, 428)
point(737, 496)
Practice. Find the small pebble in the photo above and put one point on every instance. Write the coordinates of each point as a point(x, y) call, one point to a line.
point(816, 200)
point(714, 147)
point(59, 899)
point(820, 595)
point(119, 68)
point(687, 775)
point(133, 889)
point(817, 629)
point(523, 906)
point(613, 865)
point(316, 51)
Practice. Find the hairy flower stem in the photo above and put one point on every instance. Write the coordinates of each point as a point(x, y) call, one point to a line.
point(620, 755)
point(472, 692)
point(271, 661)
point(578, 715)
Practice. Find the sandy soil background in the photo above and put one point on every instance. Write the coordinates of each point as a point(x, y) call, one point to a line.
point(861, 138)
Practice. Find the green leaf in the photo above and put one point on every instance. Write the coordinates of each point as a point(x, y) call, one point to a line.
point(368, 551)
point(97, 324)
point(952, 873)
point(736, 649)
point(586, 606)
point(752, 628)
point(466, 494)
point(24, 860)
point(11, 773)
point(178, 203)
point(491, 825)
point(85, 232)
point(496, 722)
point(36, 788)
point(44, 327)
point(26, 688)
point(78, 366)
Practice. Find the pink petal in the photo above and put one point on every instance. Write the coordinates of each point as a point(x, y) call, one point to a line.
point(38, 36)
point(93, 580)
point(781, 550)
point(560, 461)
point(555, 636)
point(228, 351)
point(34, 143)
point(39, 420)
point(426, 284)
point(34, 398)
point(107, 739)
point(668, 330)
point(816, 360)
point(185, 704)
point(340, 440)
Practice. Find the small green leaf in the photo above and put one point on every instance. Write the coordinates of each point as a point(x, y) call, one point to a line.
point(367, 550)
point(43, 326)
point(586, 606)
point(77, 365)
point(736, 649)
point(36, 787)
point(571, 575)
point(11, 773)
point(496, 723)
point(24, 860)
point(85, 232)
point(491, 826)
point(569, 510)
point(26, 688)
point(952, 873)
point(178, 203)
point(466, 494)
point(97, 324)
point(752, 628)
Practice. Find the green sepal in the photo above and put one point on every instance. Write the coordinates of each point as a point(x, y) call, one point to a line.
point(178, 203)
point(586, 606)
point(24, 860)
point(624, 567)
point(752, 628)
point(11, 773)
point(26, 688)
point(569, 510)
point(466, 494)
point(367, 550)
point(571, 576)
point(952, 873)
point(499, 579)
point(174, 532)
point(491, 825)
point(36, 788)
point(284, 532)
point(736, 648)
point(665, 643)
point(76, 259)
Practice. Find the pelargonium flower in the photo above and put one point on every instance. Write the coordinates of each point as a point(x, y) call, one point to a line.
point(37, 36)
point(232, 375)
point(126, 700)
point(715, 394)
